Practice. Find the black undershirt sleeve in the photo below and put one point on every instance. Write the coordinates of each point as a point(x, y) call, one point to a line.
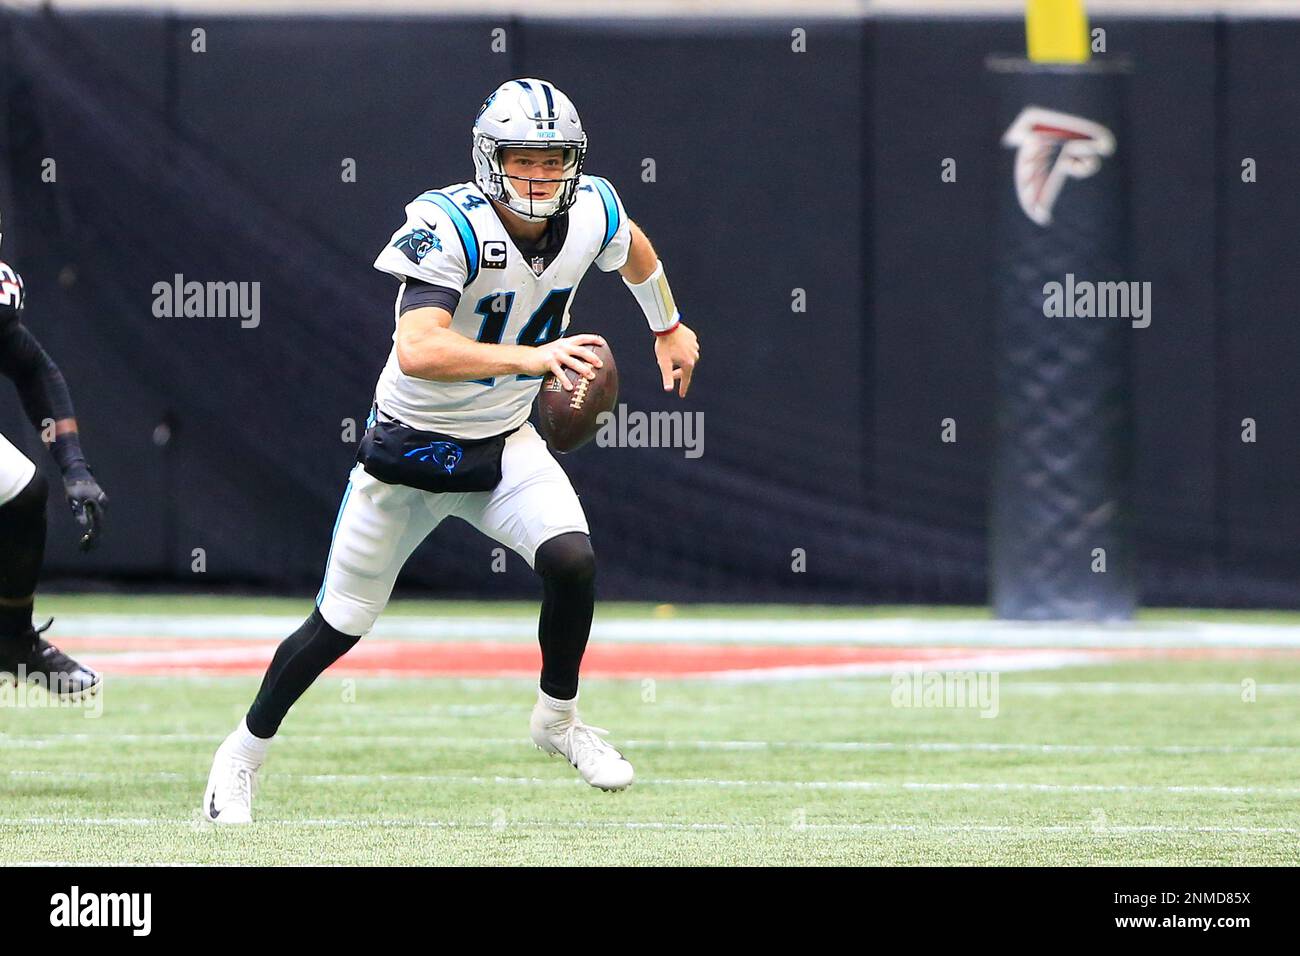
point(40, 384)
point(419, 295)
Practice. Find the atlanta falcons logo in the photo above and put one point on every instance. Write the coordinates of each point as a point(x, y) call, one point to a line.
point(1050, 147)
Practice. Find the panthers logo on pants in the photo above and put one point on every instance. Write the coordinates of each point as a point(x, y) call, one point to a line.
point(417, 244)
point(380, 525)
point(443, 453)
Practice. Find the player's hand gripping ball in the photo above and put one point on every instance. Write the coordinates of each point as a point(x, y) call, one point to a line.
point(570, 419)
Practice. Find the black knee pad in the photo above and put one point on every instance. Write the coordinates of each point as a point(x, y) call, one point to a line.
point(566, 557)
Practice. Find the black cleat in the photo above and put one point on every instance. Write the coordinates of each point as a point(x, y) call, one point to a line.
point(37, 661)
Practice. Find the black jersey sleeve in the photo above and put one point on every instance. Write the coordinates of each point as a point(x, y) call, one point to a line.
point(40, 384)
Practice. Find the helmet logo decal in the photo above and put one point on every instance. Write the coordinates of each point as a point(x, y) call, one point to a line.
point(550, 115)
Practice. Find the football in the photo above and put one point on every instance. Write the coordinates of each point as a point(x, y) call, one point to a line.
point(569, 419)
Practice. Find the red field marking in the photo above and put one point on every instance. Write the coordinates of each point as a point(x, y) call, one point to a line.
point(236, 657)
point(484, 658)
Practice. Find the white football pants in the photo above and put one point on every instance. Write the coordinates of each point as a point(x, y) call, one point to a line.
point(379, 525)
point(16, 470)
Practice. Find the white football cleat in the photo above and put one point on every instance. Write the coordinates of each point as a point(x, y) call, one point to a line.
point(229, 796)
point(562, 732)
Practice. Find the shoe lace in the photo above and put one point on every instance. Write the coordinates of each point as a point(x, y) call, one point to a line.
point(584, 740)
point(241, 788)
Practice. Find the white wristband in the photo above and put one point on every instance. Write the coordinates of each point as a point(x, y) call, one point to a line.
point(656, 301)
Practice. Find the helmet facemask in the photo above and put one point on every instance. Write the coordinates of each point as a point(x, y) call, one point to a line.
point(507, 189)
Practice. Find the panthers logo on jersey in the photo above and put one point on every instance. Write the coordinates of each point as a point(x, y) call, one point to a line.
point(417, 244)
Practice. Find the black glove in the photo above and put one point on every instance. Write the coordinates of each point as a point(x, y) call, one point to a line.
point(88, 501)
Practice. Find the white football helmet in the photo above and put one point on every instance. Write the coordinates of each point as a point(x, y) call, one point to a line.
point(528, 113)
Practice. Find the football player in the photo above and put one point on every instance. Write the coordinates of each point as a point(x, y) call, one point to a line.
point(487, 271)
point(24, 654)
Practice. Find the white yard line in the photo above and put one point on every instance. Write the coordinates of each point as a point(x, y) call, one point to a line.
point(436, 712)
point(1083, 829)
point(886, 631)
point(1054, 688)
point(847, 746)
point(112, 863)
point(691, 782)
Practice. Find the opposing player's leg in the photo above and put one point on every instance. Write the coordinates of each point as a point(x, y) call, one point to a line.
point(536, 512)
point(378, 527)
point(24, 654)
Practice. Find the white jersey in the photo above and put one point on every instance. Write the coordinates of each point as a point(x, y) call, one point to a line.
point(453, 238)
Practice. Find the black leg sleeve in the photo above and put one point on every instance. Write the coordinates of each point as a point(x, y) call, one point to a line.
point(567, 565)
point(22, 533)
point(302, 657)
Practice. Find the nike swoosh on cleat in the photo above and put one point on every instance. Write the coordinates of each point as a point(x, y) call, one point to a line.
point(212, 806)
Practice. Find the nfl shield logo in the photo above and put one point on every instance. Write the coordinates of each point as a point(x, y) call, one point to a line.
point(539, 265)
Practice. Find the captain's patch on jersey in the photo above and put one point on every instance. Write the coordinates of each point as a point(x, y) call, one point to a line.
point(417, 244)
point(494, 254)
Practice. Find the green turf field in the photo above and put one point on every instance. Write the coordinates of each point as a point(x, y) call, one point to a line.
point(1142, 762)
